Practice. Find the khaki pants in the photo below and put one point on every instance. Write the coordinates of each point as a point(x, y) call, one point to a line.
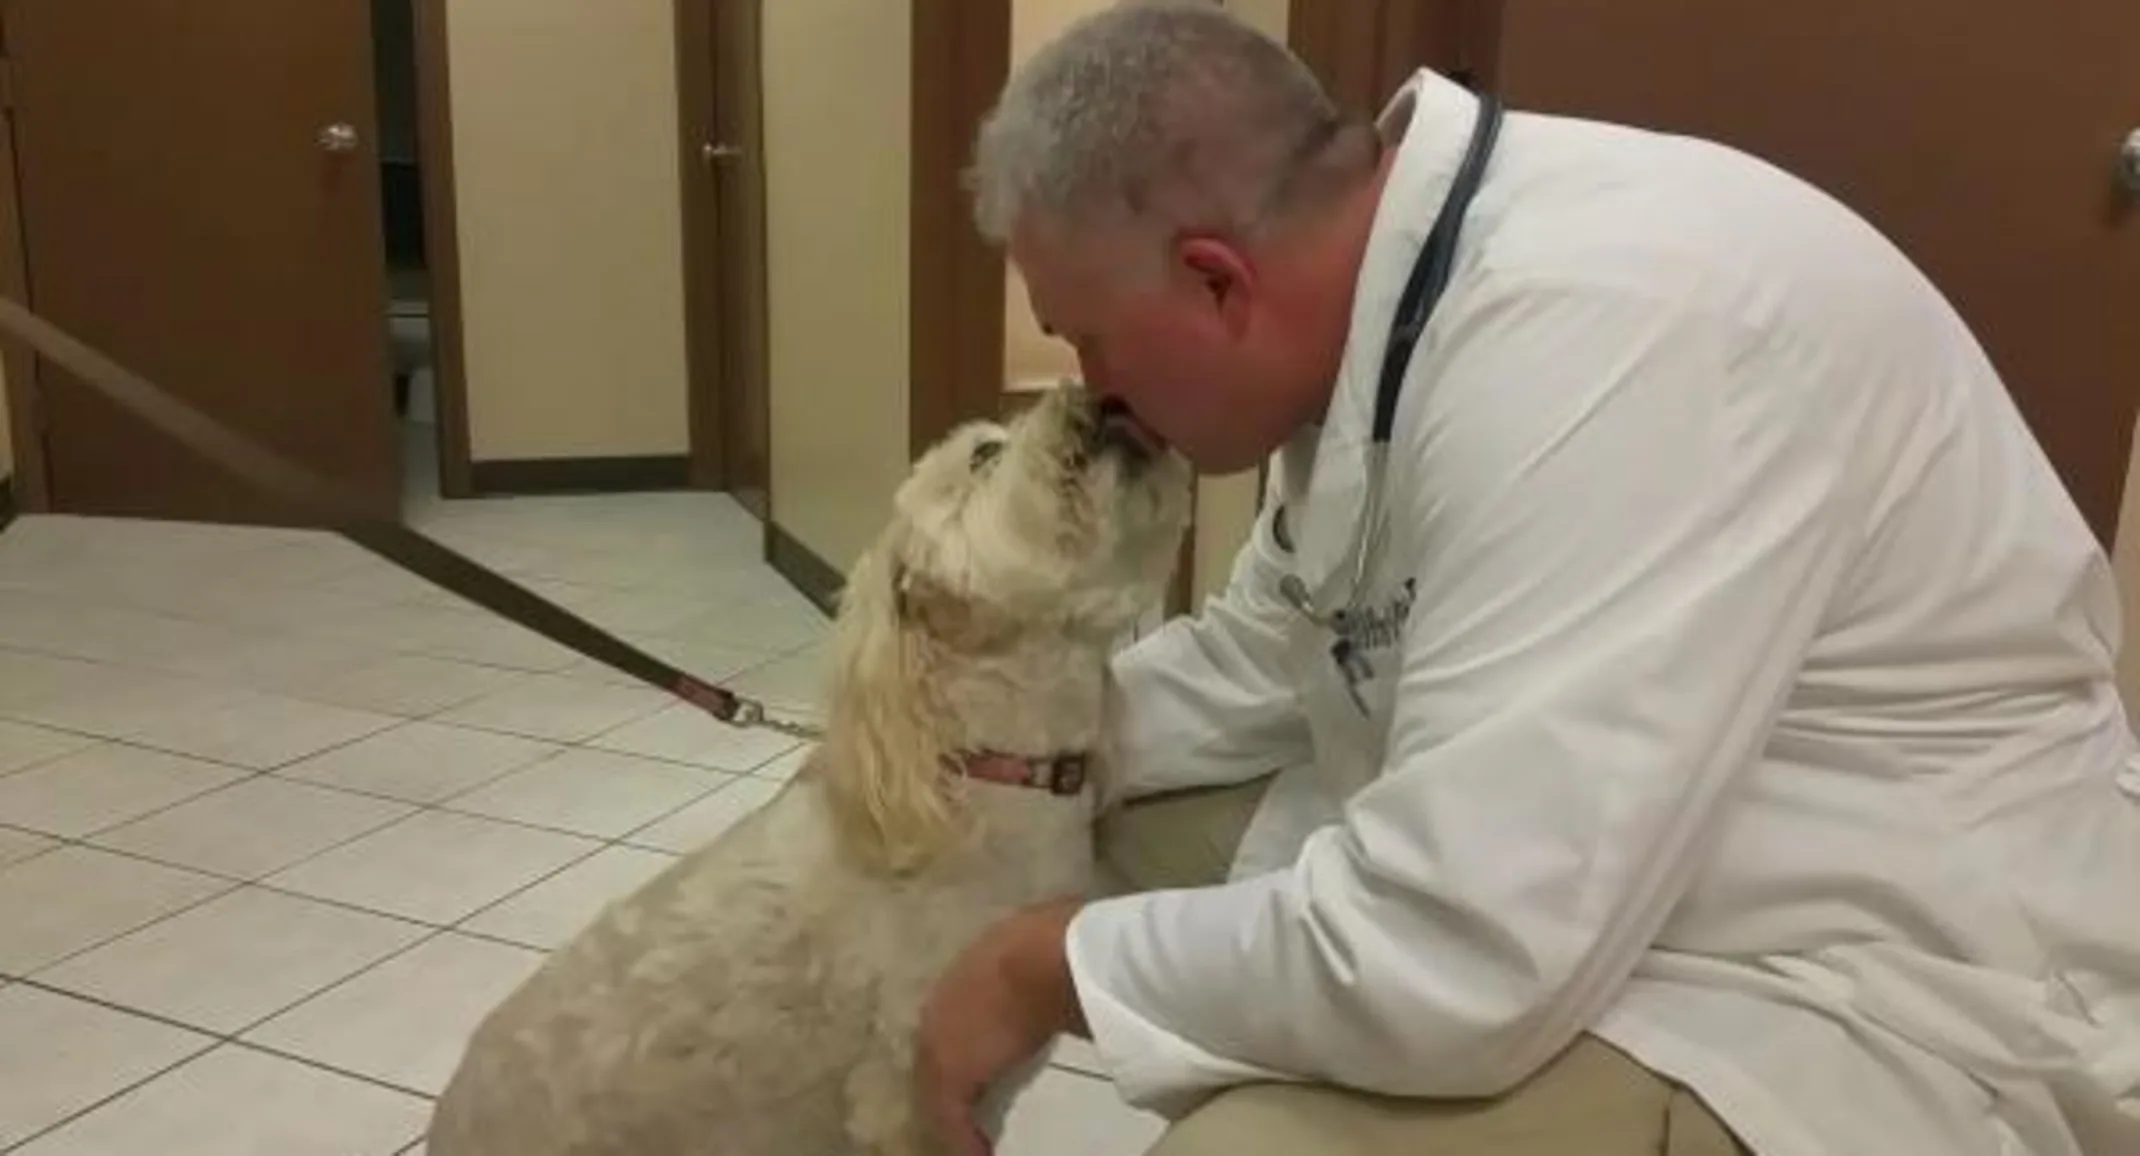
point(1593, 1100)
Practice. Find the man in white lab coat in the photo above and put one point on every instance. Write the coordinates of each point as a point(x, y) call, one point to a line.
point(1668, 707)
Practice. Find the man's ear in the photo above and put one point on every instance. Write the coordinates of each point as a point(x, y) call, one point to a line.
point(1223, 273)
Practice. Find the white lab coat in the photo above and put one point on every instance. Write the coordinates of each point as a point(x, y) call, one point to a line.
point(1741, 691)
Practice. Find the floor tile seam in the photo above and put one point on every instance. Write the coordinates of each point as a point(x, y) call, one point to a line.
point(250, 774)
point(88, 842)
point(208, 1043)
point(693, 801)
point(232, 885)
point(580, 857)
point(589, 744)
point(84, 839)
point(264, 882)
point(31, 975)
point(443, 806)
point(137, 742)
point(212, 1040)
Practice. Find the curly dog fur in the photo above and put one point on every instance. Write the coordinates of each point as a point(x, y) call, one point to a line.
point(760, 997)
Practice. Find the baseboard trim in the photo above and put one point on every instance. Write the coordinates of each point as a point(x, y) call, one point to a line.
point(816, 579)
point(8, 509)
point(623, 475)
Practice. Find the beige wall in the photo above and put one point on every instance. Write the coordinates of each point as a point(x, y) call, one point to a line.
point(565, 164)
point(1028, 354)
point(837, 124)
point(1269, 15)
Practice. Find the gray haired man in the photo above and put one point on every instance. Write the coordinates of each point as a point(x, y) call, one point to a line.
point(1667, 702)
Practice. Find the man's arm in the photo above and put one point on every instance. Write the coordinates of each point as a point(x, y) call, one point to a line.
point(1206, 701)
point(1631, 515)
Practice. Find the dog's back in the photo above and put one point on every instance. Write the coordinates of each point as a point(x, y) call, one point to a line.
point(750, 999)
point(627, 1043)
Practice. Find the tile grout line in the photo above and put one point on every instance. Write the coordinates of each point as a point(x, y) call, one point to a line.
point(719, 779)
point(215, 1040)
point(278, 771)
point(263, 882)
point(209, 1044)
point(135, 742)
point(251, 775)
point(766, 659)
point(27, 977)
point(236, 884)
point(88, 842)
point(47, 760)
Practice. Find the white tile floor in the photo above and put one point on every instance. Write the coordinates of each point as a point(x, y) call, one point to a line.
point(278, 822)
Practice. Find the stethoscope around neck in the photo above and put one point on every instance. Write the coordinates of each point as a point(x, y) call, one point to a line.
point(1422, 292)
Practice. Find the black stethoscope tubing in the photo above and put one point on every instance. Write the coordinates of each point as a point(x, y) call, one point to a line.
point(1423, 290)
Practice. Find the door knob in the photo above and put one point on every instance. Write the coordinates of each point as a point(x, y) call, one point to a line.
point(2129, 161)
point(712, 153)
point(338, 138)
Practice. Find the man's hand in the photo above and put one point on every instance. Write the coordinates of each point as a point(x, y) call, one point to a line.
point(998, 1005)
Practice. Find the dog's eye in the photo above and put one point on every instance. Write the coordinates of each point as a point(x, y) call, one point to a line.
point(984, 453)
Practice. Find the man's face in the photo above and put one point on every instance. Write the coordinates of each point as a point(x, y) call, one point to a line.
point(1185, 346)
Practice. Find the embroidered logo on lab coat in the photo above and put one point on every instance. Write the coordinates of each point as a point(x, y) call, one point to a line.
point(1365, 631)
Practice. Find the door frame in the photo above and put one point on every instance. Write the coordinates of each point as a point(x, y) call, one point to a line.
point(956, 279)
point(29, 489)
point(1362, 50)
point(442, 247)
point(726, 338)
point(434, 115)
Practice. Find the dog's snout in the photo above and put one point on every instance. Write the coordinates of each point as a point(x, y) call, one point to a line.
point(1090, 427)
point(1115, 428)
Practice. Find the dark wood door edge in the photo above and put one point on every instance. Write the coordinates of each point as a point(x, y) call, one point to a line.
point(1363, 50)
point(28, 487)
point(739, 116)
point(7, 503)
point(720, 88)
point(956, 279)
point(697, 42)
point(813, 577)
point(442, 248)
point(1479, 44)
point(617, 475)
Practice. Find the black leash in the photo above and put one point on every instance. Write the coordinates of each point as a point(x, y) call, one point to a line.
point(335, 509)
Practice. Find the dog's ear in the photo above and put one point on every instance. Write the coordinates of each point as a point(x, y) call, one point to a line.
point(883, 758)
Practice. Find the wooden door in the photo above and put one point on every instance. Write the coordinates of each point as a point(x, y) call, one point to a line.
point(183, 211)
point(1362, 50)
point(723, 142)
point(1982, 137)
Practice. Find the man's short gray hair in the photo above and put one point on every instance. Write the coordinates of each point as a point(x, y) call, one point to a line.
point(1151, 115)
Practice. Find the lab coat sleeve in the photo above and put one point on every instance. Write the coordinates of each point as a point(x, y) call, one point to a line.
point(1631, 515)
point(1206, 701)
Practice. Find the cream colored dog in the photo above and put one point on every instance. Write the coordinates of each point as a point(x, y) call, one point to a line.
point(760, 997)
